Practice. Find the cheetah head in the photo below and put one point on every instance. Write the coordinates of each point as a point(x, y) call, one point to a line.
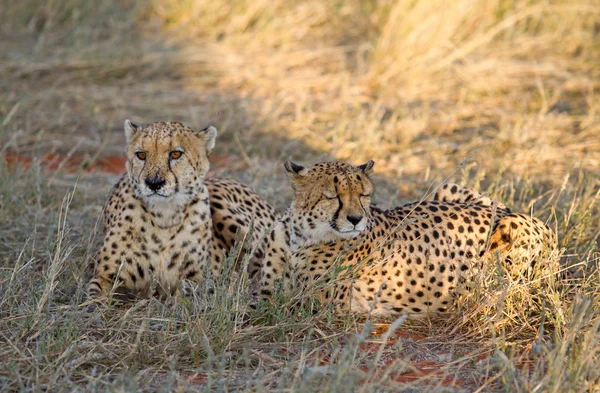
point(331, 199)
point(167, 161)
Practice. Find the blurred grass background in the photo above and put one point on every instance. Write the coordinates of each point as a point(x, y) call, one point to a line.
point(503, 95)
point(416, 85)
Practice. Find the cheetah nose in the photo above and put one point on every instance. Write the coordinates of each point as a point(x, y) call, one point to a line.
point(155, 183)
point(354, 219)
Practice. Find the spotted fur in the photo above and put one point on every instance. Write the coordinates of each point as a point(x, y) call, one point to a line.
point(416, 258)
point(235, 209)
point(164, 222)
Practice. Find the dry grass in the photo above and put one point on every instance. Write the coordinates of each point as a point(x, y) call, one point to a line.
point(500, 95)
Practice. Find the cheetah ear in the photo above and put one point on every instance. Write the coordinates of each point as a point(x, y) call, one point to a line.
point(210, 135)
point(294, 170)
point(367, 168)
point(130, 129)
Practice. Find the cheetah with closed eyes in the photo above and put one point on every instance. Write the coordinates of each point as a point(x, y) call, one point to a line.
point(164, 221)
point(328, 196)
point(416, 258)
point(331, 202)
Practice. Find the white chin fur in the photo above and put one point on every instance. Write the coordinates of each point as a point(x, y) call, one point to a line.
point(322, 234)
point(347, 234)
point(156, 201)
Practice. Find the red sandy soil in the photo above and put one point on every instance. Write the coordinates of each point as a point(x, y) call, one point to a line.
point(107, 164)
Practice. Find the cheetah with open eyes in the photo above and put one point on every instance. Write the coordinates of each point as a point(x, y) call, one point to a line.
point(164, 220)
point(331, 201)
point(416, 258)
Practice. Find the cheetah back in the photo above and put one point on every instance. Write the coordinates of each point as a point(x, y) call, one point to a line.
point(416, 258)
point(235, 208)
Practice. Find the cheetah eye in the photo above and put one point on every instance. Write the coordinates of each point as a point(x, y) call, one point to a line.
point(175, 155)
point(141, 155)
point(366, 195)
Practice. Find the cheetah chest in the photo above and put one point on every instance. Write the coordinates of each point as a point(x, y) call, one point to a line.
point(171, 254)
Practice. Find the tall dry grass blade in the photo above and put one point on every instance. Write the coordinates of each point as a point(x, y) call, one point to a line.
point(62, 252)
